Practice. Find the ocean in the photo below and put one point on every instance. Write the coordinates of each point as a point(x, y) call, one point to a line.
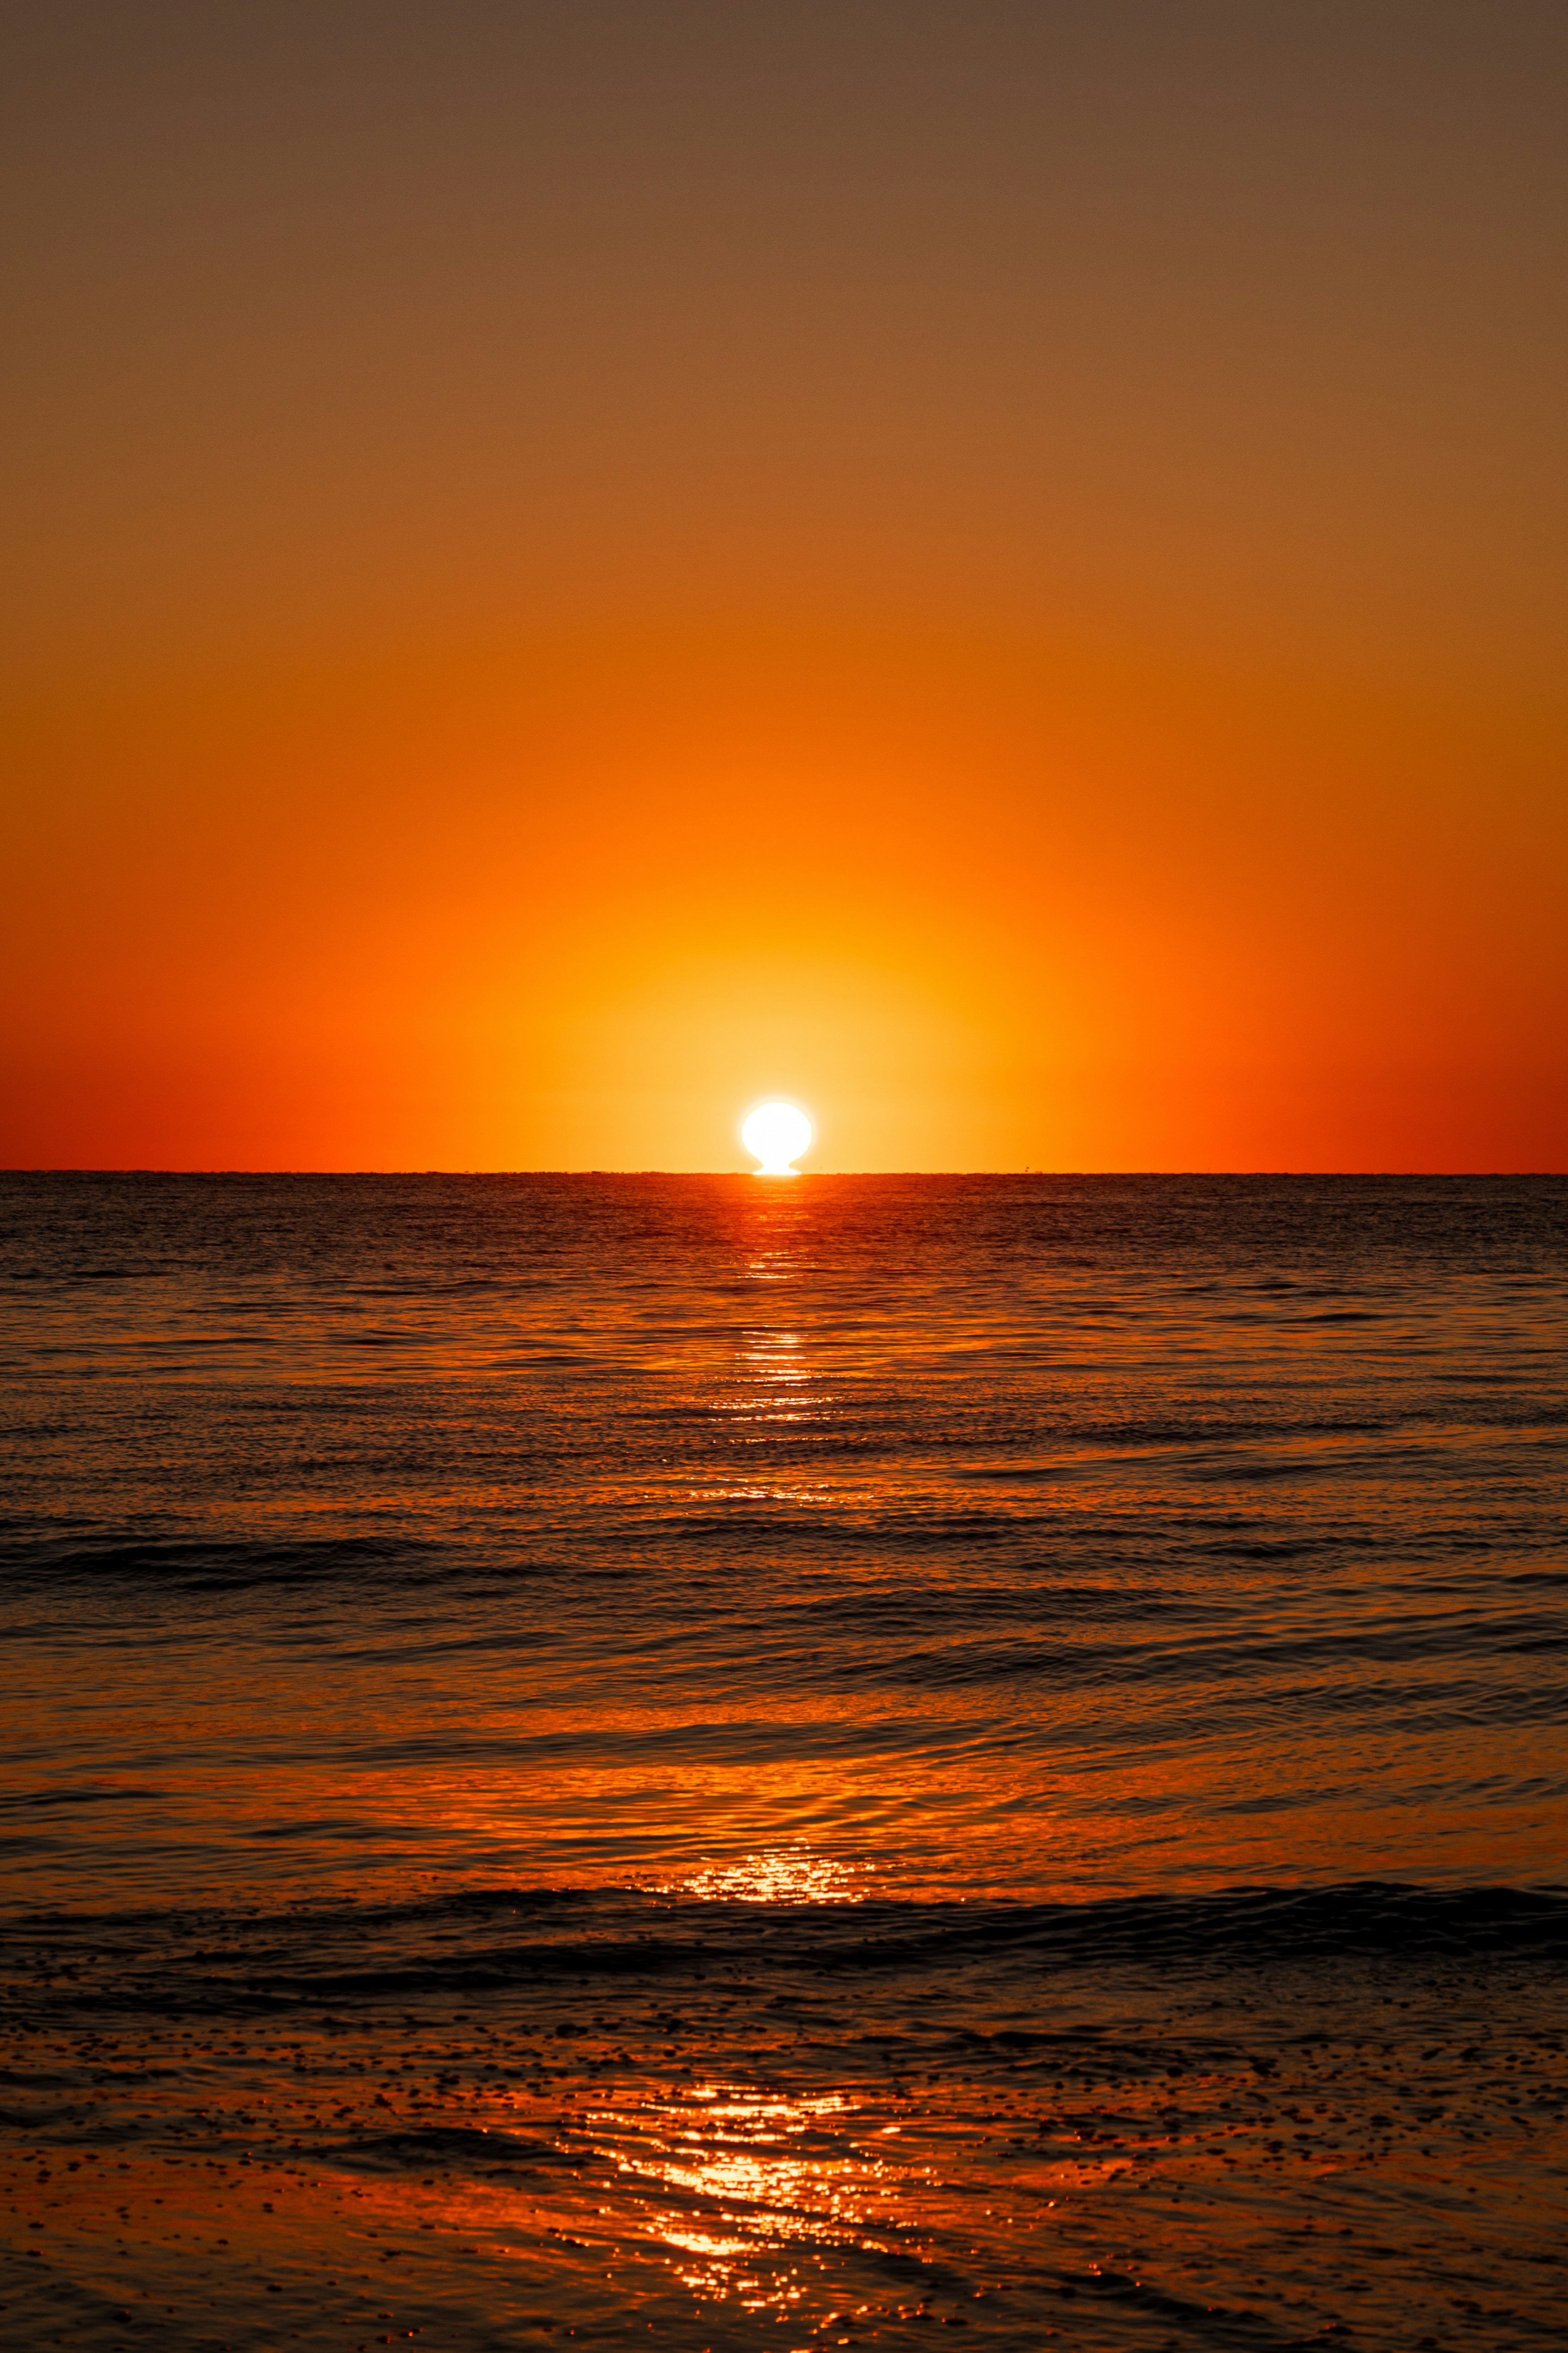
point(725, 1764)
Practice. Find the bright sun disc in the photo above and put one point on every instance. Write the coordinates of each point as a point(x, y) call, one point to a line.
point(776, 1134)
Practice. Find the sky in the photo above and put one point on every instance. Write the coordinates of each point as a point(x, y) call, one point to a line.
point(995, 568)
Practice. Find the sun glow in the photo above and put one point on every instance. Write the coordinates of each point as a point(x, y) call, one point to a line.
point(776, 1134)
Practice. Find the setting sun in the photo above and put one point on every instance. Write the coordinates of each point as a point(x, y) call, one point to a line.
point(775, 1134)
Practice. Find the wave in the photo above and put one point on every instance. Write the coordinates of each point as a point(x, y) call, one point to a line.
point(231, 1563)
point(464, 1945)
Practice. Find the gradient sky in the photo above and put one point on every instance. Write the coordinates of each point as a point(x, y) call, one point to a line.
point(996, 568)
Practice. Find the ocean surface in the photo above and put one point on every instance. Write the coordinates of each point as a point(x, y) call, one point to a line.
point(725, 1764)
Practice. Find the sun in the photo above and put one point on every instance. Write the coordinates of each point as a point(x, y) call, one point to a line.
point(776, 1133)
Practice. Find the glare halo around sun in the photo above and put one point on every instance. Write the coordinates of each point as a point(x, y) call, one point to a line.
point(775, 1134)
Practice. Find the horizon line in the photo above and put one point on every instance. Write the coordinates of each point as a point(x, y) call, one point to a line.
point(130, 1168)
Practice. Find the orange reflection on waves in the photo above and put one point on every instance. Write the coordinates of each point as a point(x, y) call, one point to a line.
point(777, 1875)
point(769, 1359)
point(757, 2173)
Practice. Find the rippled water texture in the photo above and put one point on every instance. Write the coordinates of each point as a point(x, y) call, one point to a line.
point(999, 1535)
point(697, 1760)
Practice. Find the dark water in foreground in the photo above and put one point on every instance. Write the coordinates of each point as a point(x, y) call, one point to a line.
point(701, 1762)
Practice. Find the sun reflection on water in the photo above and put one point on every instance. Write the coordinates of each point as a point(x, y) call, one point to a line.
point(777, 1875)
point(771, 1354)
point(757, 2175)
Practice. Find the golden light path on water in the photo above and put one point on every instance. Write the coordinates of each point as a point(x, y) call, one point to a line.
point(772, 2174)
point(781, 1875)
point(763, 2175)
point(768, 2174)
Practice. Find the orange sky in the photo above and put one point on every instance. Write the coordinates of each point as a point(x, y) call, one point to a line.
point(994, 569)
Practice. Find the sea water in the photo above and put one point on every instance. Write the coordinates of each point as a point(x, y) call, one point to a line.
point(698, 1761)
